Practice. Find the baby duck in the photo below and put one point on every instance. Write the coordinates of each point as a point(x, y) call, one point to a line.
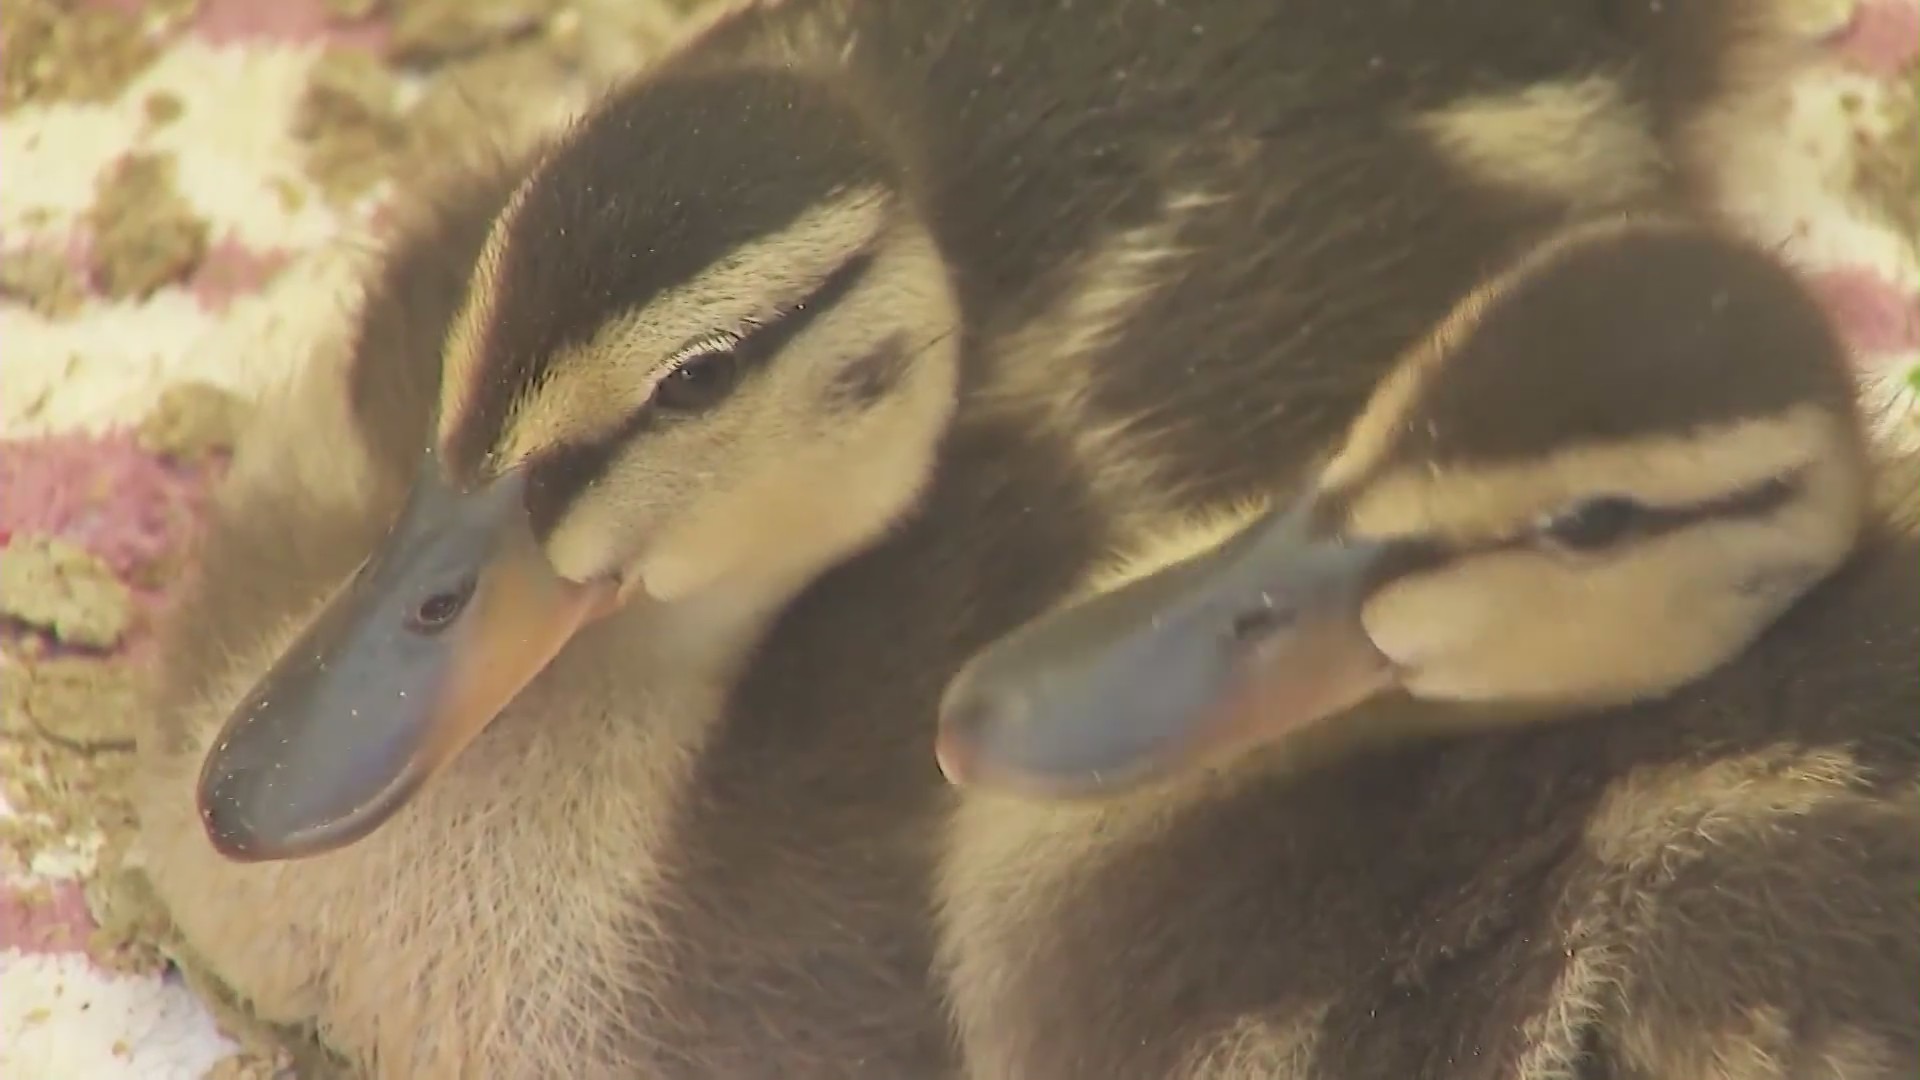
point(1562, 726)
point(555, 695)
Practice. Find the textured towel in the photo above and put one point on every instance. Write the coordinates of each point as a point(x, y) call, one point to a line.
point(186, 192)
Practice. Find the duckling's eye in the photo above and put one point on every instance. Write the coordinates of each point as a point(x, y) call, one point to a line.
point(1595, 524)
point(704, 375)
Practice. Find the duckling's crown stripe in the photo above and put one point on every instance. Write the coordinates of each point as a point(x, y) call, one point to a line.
point(665, 180)
point(1720, 335)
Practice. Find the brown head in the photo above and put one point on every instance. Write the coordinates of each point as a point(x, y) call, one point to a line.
point(1602, 477)
point(709, 350)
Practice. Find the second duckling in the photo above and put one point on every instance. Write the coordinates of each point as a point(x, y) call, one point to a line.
point(1563, 727)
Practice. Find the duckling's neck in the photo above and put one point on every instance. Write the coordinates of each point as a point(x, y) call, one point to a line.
point(1852, 630)
point(1896, 496)
point(701, 639)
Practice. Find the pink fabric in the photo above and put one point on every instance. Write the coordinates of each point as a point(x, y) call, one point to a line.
point(63, 1013)
point(53, 921)
point(1878, 318)
point(231, 270)
point(224, 22)
point(102, 493)
point(75, 249)
point(1882, 38)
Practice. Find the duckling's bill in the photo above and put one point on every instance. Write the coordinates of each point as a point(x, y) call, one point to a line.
point(443, 626)
point(1229, 649)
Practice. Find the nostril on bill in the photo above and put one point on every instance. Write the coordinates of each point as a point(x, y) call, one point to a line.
point(437, 611)
point(972, 721)
point(1262, 622)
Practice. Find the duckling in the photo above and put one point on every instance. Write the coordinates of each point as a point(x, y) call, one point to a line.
point(1560, 726)
point(557, 704)
point(535, 910)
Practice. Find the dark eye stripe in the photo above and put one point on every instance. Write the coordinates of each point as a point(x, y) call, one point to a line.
point(758, 343)
point(1762, 498)
point(1419, 554)
point(1755, 500)
point(559, 474)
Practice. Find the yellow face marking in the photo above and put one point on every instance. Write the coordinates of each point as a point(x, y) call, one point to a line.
point(1490, 501)
point(592, 388)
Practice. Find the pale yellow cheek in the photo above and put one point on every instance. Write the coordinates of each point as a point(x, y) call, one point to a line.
point(599, 534)
point(1511, 626)
point(686, 562)
point(1533, 627)
point(1429, 620)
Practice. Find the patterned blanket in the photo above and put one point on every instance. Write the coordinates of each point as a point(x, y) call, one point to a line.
point(187, 190)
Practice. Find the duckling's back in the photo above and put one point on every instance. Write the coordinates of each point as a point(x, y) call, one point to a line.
point(1222, 242)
